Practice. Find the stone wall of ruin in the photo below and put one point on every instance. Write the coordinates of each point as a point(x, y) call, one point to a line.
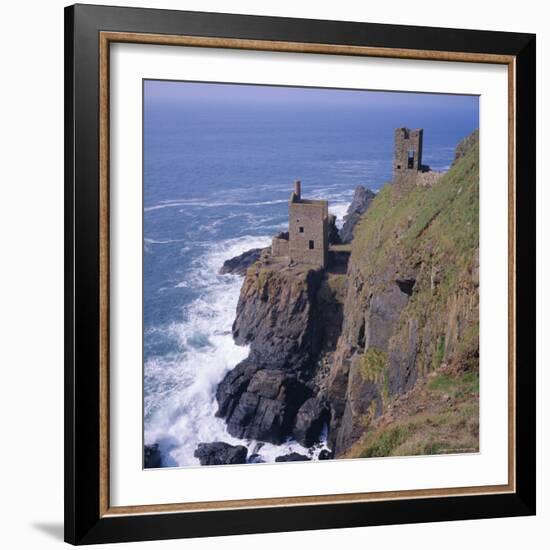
point(279, 246)
point(308, 222)
point(406, 140)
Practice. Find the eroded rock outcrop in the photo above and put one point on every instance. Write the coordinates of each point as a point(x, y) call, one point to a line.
point(218, 452)
point(152, 457)
point(262, 406)
point(292, 457)
point(239, 264)
point(362, 199)
point(278, 317)
point(412, 297)
point(310, 419)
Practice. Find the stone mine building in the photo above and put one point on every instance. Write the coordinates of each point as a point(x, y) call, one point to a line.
point(306, 241)
point(407, 158)
point(307, 238)
point(408, 151)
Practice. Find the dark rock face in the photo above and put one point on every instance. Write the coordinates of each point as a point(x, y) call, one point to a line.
point(218, 452)
point(362, 199)
point(151, 456)
point(310, 419)
point(233, 386)
point(369, 325)
point(292, 457)
point(325, 455)
point(360, 395)
point(260, 404)
point(239, 264)
point(277, 317)
point(330, 308)
point(383, 312)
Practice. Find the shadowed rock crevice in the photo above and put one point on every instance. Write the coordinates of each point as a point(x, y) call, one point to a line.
point(406, 285)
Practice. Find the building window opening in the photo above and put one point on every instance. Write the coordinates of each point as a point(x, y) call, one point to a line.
point(311, 245)
point(411, 158)
point(301, 229)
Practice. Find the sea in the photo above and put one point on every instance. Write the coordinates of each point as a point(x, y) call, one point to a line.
point(219, 162)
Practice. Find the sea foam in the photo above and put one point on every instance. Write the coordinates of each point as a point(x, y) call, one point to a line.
point(339, 209)
point(180, 397)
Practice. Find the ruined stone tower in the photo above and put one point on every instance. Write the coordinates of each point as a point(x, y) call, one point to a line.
point(407, 157)
point(307, 239)
point(408, 168)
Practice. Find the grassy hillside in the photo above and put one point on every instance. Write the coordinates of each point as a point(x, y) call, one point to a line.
point(440, 415)
point(412, 386)
point(441, 222)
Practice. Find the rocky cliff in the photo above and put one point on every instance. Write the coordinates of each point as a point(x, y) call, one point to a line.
point(281, 315)
point(346, 349)
point(412, 297)
point(239, 264)
point(361, 201)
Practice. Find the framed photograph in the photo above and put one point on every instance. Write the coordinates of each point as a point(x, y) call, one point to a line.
point(300, 274)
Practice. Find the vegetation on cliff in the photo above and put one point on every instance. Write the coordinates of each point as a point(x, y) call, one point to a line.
point(439, 415)
point(411, 309)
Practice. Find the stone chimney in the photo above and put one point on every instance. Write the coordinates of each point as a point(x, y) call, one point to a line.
point(298, 189)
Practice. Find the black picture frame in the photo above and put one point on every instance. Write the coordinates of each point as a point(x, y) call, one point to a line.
point(84, 523)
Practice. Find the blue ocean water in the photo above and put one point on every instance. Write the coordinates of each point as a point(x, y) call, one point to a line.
point(219, 165)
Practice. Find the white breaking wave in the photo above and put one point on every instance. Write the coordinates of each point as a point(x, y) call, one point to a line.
point(208, 204)
point(339, 209)
point(148, 242)
point(165, 241)
point(180, 398)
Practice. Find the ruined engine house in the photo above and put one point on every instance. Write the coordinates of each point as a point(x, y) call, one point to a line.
point(306, 241)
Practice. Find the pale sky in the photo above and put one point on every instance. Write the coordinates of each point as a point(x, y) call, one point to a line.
point(157, 91)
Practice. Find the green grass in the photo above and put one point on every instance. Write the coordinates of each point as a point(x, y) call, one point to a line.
point(387, 442)
point(436, 229)
point(447, 422)
point(454, 386)
point(425, 434)
point(439, 353)
point(469, 343)
point(434, 232)
point(373, 364)
point(442, 220)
